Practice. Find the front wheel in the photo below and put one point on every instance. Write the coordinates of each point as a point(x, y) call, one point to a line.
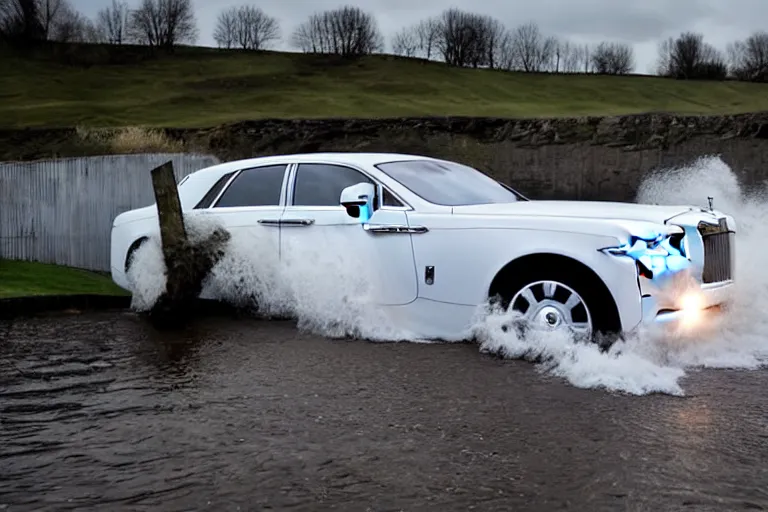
point(557, 301)
point(551, 305)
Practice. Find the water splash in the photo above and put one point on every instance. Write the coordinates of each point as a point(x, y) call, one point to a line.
point(327, 292)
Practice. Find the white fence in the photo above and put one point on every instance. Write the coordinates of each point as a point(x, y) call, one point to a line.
point(61, 211)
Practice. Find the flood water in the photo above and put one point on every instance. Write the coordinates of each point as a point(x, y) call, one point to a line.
point(98, 411)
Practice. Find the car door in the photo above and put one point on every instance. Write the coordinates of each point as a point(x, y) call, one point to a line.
point(322, 241)
point(249, 204)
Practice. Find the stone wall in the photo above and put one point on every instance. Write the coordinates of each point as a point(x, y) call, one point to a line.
point(580, 158)
point(572, 158)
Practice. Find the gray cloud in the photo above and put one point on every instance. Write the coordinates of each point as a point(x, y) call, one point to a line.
point(640, 23)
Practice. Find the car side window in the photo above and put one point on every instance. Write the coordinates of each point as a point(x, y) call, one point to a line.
point(321, 184)
point(208, 198)
point(387, 199)
point(259, 186)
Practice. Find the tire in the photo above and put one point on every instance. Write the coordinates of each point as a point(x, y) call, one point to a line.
point(563, 298)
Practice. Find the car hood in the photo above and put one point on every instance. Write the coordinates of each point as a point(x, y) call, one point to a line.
point(580, 209)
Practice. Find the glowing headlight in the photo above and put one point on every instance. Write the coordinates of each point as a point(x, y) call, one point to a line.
point(692, 307)
point(658, 254)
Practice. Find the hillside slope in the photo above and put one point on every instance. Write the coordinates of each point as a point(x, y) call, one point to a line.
point(202, 87)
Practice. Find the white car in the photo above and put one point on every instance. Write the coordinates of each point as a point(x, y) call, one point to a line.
point(449, 238)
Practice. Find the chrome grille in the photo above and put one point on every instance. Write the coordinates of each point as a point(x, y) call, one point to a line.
point(717, 256)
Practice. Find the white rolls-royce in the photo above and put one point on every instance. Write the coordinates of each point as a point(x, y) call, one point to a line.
point(446, 238)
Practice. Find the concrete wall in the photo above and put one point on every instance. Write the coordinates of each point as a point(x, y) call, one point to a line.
point(61, 211)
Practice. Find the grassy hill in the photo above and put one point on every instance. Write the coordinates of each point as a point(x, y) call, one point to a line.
point(204, 87)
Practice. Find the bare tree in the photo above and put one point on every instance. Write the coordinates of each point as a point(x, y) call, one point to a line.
point(459, 39)
point(613, 59)
point(689, 57)
point(20, 22)
point(468, 39)
point(45, 20)
point(749, 58)
point(406, 43)
point(246, 26)
point(51, 12)
point(93, 33)
point(113, 22)
point(585, 57)
point(163, 23)
point(69, 26)
point(258, 29)
point(226, 27)
point(496, 37)
point(570, 57)
point(557, 55)
point(531, 50)
point(419, 40)
point(428, 32)
point(345, 31)
point(565, 57)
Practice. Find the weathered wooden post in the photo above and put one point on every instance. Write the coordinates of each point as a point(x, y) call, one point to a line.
point(187, 263)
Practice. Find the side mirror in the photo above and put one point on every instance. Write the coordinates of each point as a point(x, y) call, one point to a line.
point(358, 200)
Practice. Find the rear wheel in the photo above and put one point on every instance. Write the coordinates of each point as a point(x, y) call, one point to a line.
point(559, 300)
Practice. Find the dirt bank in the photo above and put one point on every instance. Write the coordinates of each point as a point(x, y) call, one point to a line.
point(585, 158)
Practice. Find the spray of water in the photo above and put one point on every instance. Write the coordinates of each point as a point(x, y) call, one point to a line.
point(328, 293)
point(652, 360)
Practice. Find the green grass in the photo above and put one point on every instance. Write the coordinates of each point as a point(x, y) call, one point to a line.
point(203, 87)
point(24, 279)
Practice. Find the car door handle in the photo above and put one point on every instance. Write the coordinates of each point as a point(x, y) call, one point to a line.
point(393, 228)
point(269, 222)
point(297, 222)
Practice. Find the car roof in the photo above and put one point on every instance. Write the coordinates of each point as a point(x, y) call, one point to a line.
point(358, 158)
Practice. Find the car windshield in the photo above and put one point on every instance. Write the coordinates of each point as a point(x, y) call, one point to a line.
point(449, 183)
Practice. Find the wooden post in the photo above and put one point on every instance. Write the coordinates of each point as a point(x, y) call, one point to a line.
point(172, 231)
point(187, 264)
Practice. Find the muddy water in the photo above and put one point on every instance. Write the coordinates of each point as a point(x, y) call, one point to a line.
point(100, 412)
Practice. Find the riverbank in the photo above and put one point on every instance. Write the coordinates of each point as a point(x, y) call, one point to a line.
point(19, 279)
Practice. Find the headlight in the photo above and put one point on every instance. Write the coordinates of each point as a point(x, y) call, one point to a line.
point(658, 254)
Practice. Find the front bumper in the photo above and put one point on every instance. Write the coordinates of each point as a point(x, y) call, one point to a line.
point(687, 272)
point(708, 297)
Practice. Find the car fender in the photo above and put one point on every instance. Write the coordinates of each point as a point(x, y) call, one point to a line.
point(123, 236)
point(466, 261)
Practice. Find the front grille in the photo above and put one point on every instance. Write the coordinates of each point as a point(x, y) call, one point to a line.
point(717, 257)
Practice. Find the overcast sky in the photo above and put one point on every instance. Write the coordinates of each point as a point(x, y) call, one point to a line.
point(641, 23)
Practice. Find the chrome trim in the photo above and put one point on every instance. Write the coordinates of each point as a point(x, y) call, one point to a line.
point(297, 222)
point(394, 228)
point(269, 222)
point(290, 184)
point(286, 179)
point(223, 189)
